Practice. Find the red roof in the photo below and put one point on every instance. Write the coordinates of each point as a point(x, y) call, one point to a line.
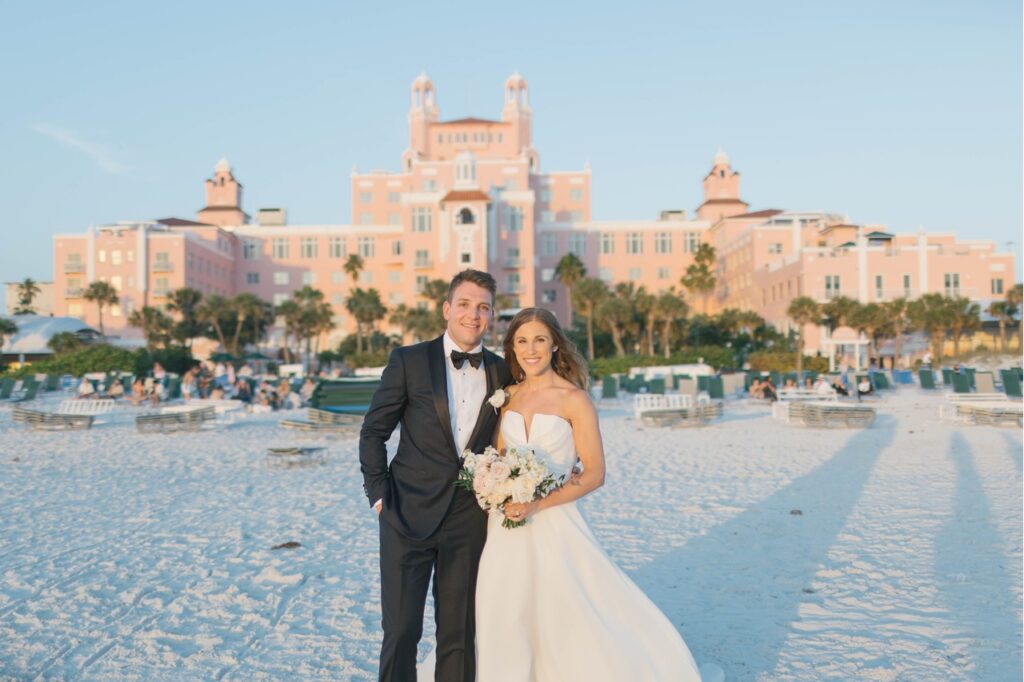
point(461, 121)
point(181, 222)
point(470, 195)
point(767, 213)
point(725, 201)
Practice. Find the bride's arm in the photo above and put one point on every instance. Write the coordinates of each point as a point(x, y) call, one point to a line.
point(587, 437)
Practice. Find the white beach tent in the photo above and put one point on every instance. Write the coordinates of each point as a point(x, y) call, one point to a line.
point(34, 331)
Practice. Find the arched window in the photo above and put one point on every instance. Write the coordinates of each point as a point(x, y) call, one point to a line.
point(419, 96)
point(465, 217)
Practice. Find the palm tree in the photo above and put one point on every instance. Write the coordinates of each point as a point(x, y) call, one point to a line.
point(997, 309)
point(700, 279)
point(646, 310)
point(964, 318)
point(803, 310)
point(102, 294)
point(184, 301)
point(670, 308)
point(156, 326)
point(614, 313)
point(7, 328)
point(415, 322)
point(291, 312)
point(352, 305)
point(570, 269)
point(354, 264)
point(436, 291)
point(1014, 299)
point(246, 307)
point(587, 296)
point(27, 291)
point(870, 319)
point(368, 311)
point(210, 313)
point(931, 313)
point(898, 312)
point(838, 312)
point(64, 342)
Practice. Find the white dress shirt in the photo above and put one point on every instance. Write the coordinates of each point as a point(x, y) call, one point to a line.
point(467, 389)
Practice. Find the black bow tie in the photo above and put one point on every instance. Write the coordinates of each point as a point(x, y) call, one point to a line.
point(458, 357)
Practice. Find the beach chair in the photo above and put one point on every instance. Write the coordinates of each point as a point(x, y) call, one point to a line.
point(961, 383)
point(688, 387)
point(323, 421)
point(882, 381)
point(1011, 382)
point(947, 376)
point(831, 415)
point(984, 382)
point(927, 378)
point(702, 382)
point(609, 387)
point(656, 386)
point(716, 388)
point(52, 382)
point(173, 388)
point(31, 388)
point(6, 388)
point(171, 422)
point(295, 456)
point(46, 421)
point(970, 372)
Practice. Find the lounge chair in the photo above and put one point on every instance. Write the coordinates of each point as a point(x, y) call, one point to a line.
point(831, 415)
point(609, 387)
point(178, 420)
point(295, 456)
point(47, 421)
point(927, 378)
point(1011, 383)
point(323, 421)
point(961, 383)
point(984, 382)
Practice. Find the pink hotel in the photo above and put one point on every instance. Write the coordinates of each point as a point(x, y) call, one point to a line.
point(471, 193)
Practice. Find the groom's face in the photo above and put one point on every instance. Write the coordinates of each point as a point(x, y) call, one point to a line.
point(468, 314)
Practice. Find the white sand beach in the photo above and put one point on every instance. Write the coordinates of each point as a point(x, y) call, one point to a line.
point(781, 553)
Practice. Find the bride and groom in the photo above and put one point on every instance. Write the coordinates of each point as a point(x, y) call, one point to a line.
point(540, 603)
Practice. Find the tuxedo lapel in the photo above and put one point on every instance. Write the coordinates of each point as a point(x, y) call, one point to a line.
point(439, 386)
point(491, 370)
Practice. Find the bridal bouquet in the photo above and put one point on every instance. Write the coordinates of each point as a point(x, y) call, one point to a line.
point(515, 476)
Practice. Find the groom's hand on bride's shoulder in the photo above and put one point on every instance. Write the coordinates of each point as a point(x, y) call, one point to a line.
point(378, 505)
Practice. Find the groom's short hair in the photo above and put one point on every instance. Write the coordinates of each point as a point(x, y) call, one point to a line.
point(477, 277)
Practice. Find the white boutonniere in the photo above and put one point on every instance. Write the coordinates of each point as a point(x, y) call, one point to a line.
point(498, 399)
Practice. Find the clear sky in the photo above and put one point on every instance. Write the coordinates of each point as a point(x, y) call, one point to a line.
point(903, 113)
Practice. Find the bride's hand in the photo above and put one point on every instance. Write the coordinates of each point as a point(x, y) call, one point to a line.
point(520, 512)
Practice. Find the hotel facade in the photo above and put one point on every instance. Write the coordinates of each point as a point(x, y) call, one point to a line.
point(471, 192)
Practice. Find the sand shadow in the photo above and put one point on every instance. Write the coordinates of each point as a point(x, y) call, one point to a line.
point(734, 592)
point(973, 579)
point(1013, 449)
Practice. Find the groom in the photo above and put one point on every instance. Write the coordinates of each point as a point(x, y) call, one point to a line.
point(437, 391)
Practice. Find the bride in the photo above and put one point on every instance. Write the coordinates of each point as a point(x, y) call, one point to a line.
point(551, 606)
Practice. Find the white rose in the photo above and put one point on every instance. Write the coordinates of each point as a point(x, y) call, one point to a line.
point(498, 398)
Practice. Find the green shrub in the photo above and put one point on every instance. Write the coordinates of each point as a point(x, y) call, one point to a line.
point(375, 359)
point(778, 361)
point(99, 358)
point(176, 359)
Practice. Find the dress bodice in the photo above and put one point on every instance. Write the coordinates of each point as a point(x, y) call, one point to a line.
point(549, 435)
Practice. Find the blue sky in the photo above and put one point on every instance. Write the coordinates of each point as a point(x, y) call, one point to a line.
point(907, 114)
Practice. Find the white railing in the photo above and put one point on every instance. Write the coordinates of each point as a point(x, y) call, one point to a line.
point(74, 292)
point(74, 268)
point(644, 402)
point(163, 266)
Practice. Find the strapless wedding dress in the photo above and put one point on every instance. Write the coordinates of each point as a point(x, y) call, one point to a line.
point(551, 606)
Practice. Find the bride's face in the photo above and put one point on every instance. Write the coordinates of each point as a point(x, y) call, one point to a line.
point(533, 347)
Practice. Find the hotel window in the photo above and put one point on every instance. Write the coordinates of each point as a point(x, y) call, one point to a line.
point(879, 288)
point(510, 183)
point(692, 242)
point(338, 298)
point(607, 243)
point(663, 242)
point(115, 282)
point(831, 286)
point(906, 286)
point(366, 197)
point(466, 258)
point(131, 256)
point(429, 185)
point(336, 247)
point(280, 247)
point(513, 285)
point(115, 310)
point(394, 218)
point(634, 273)
point(421, 218)
point(514, 216)
point(577, 216)
point(308, 247)
point(512, 256)
point(250, 249)
point(366, 219)
point(606, 275)
point(548, 245)
point(281, 278)
point(545, 195)
point(997, 286)
point(576, 194)
point(252, 278)
point(337, 277)
point(396, 247)
point(115, 257)
point(549, 296)
point(162, 286)
point(394, 197)
point(775, 248)
point(421, 283)
point(191, 261)
point(663, 273)
point(547, 216)
point(102, 256)
point(280, 298)
point(366, 277)
point(395, 276)
point(422, 258)
point(75, 309)
point(952, 282)
point(162, 259)
point(367, 247)
point(578, 244)
point(634, 243)
point(309, 278)
point(547, 274)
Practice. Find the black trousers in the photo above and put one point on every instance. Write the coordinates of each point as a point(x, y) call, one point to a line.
point(452, 556)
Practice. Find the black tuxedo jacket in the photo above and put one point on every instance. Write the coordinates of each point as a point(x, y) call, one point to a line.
point(417, 487)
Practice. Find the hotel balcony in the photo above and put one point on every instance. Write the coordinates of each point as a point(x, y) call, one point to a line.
point(74, 268)
point(423, 264)
point(161, 293)
point(514, 289)
point(513, 262)
point(163, 266)
point(74, 292)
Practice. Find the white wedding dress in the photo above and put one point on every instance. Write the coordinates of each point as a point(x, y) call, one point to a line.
point(551, 606)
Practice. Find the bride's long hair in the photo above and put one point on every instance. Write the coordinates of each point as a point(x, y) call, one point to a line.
point(566, 361)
